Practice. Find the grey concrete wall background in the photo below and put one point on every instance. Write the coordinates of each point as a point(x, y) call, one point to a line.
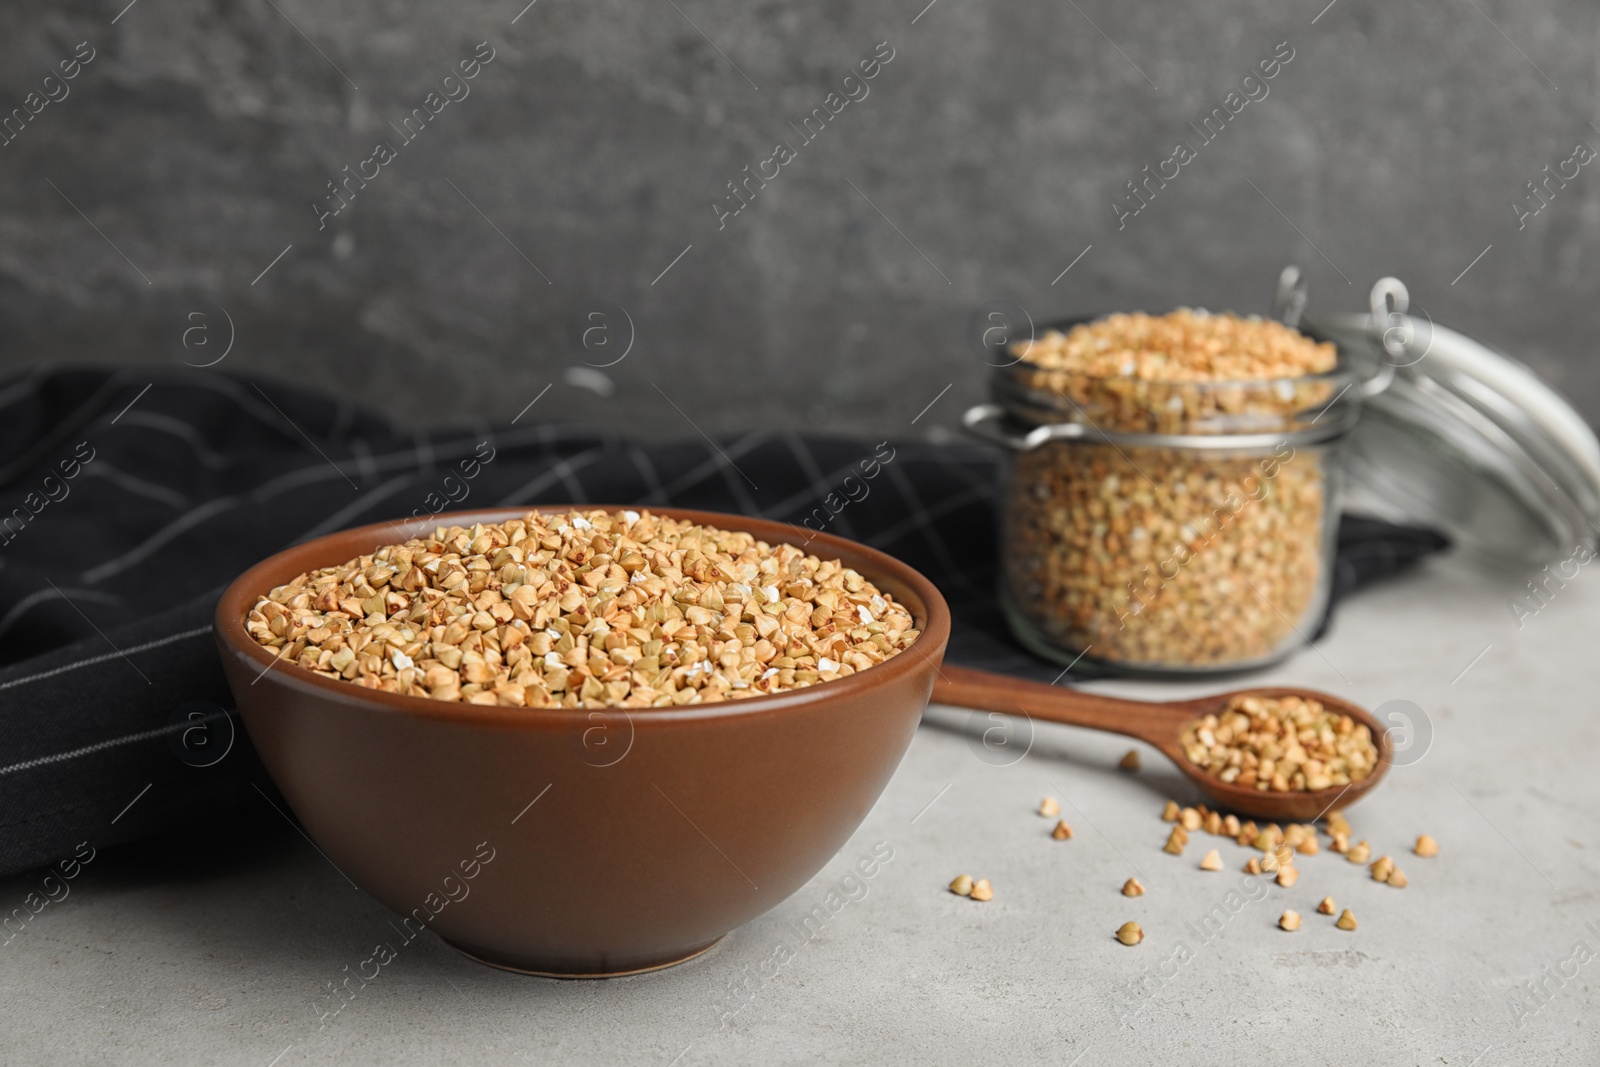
point(986, 157)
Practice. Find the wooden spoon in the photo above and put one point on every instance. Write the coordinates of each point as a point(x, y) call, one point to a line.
point(1161, 724)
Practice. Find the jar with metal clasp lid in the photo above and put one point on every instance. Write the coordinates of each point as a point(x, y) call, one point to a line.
point(1161, 525)
point(1169, 511)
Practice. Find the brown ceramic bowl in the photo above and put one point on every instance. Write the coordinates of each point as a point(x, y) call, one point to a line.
point(571, 842)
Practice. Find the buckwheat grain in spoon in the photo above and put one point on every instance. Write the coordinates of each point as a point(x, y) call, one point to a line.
point(1277, 753)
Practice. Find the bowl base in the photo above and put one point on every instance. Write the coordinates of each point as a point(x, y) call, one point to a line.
point(478, 957)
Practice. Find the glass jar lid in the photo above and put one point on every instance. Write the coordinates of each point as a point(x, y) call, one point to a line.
point(1465, 440)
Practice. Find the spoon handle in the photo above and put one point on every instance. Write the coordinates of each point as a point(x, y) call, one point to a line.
point(1158, 724)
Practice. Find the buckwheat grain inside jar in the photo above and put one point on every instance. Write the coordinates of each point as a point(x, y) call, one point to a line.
point(1173, 502)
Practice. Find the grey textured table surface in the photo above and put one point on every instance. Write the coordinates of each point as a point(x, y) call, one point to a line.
point(217, 953)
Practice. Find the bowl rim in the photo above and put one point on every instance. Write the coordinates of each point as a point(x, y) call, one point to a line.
point(244, 591)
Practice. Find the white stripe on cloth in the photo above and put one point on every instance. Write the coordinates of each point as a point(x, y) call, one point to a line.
point(261, 493)
point(101, 746)
point(92, 660)
point(175, 427)
point(821, 484)
point(366, 501)
point(716, 461)
point(922, 519)
point(25, 386)
point(561, 472)
point(138, 486)
point(140, 552)
point(641, 461)
point(42, 596)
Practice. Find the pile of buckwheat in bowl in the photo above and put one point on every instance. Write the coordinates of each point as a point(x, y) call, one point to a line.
point(1170, 557)
point(583, 609)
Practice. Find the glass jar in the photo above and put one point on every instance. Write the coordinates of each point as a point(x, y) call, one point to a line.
point(1164, 527)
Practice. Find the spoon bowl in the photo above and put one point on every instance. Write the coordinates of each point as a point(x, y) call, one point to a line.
point(1161, 725)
